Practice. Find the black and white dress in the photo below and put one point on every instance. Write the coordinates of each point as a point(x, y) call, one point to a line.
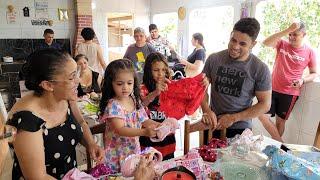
point(59, 142)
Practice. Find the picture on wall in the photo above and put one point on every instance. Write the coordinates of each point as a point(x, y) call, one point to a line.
point(41, 8)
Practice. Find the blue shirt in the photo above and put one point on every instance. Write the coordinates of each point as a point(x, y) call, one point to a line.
point(54, 45)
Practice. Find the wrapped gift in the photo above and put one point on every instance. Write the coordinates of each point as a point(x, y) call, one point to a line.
point(313, 157)
point(100, 170)
point(131, 162)
point(76, 174)
point(290, 165)
point(192, 161)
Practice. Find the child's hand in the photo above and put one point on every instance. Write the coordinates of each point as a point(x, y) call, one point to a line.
point(150, 132)
point(162, 86)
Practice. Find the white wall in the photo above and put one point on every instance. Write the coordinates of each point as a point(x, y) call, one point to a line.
point(139, 8)
point(164, 6)
point(23, 29)
point(303, 122)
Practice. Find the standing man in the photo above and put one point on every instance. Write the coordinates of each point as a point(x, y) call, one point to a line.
point(236, 77)
point(161, 44)
point(139, 51)
point(48, 35)
point(291, 60)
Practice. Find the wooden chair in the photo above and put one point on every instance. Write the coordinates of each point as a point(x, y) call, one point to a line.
point(198, 126)
point(317, 138)
point(96, 129)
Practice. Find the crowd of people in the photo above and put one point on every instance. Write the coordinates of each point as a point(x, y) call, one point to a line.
point(49, 121)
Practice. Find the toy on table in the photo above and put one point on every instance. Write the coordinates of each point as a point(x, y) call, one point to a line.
point(290, 165)
point(167, 127)
point(131, 162)
point(208, 152)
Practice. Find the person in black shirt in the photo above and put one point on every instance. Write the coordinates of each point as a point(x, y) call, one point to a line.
point(48, 35)
point(195, 61)
point(90, 80)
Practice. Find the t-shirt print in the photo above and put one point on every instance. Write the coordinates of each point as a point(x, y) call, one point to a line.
point(140, 61)
point(229, 81)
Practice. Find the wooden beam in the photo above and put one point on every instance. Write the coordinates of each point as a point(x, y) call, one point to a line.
point(122, 18)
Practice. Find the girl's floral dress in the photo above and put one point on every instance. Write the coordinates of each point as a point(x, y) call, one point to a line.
point(117, 147)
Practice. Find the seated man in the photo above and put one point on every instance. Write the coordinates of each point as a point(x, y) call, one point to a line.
point(236, 77)
point(48, 35)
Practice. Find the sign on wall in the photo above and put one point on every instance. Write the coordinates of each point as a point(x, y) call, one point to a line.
point(26, 12)
point(41, 8)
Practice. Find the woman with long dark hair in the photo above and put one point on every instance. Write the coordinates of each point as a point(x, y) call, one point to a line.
point(155, 78)
point(195, 61)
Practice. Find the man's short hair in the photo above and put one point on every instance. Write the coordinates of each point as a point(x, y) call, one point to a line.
point(249, 26)
point(302, 27)
point(48, 31)
point(139, 30)
point(152, 27)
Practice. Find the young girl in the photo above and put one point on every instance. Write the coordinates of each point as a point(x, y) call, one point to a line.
point(155, 77)
point(123, 113)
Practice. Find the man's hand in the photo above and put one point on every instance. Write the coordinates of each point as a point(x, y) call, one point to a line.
point(293, 27)
point(297, 83)
point(225, 121)
point(205, 81)
point(210, 118)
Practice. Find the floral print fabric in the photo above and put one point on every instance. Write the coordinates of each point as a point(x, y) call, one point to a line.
point(117, 147)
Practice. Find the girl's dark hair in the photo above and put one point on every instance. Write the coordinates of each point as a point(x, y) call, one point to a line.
point(87, 33)
point(109, 76)
point(42, 65)
point(199, 38)
point(79, 56)
point(148, 80)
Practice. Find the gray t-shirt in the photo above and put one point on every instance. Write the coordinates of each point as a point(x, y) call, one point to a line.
point(138, 55)
point(233, 84)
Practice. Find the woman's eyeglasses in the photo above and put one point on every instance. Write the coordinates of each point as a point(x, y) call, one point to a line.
point(72, 79)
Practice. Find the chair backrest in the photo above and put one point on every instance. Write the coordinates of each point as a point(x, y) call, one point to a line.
point(201, 127)
point(96, 129)
point(317, 138)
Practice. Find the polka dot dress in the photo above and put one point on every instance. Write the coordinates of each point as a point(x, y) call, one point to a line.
point(59, 142)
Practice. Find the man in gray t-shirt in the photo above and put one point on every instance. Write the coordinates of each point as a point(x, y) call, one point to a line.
point(139, 51)
point(236, 77)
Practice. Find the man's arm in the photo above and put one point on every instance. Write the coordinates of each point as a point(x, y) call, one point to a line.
point(272, 40)
point(209, 117)
point(263, 106)
point(312, 75)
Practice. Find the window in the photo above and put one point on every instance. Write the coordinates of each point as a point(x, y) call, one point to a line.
point(120, 32)
point(215, 24)
point(167, 24)
point(276, 15)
